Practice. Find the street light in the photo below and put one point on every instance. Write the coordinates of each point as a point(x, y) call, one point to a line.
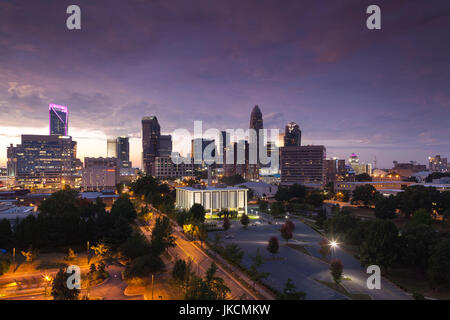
point(47, 279)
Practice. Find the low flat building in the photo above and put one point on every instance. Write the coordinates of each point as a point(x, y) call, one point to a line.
point(213, 199)
point(349, 186)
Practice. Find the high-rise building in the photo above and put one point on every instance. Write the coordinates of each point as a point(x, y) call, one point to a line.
point(335, 169)
point(438, 164)
point(111, 148)
point(292, 135)
point(303, 165)
point(165, 146)
point(358, 167)
point(43, 161)
point(151, 133)
point(256, 123)
point(100, 174)
point(123, 152)
point(58, 120)
point(198, 147)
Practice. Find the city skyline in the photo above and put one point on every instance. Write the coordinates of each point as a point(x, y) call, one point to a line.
point(384, 94)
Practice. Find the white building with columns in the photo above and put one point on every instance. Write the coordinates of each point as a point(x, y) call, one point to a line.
point(213, 199)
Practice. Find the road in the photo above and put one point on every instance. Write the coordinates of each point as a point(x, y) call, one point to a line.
point(112, 289)
point(185, 249)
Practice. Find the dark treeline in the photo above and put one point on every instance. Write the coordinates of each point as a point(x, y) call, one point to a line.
point(154, 192)
point(65, 220)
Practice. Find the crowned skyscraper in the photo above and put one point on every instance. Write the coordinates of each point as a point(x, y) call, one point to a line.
point(256, 123)
point(58, 120)
point(292, 135)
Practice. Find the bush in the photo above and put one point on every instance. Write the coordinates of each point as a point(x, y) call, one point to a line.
point(5, 263)
point(135, 246)
point(143, 266)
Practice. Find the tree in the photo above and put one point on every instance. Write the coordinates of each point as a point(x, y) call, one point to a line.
point(5, 263)
point(263, 205)
point(385, 207)
point(336, 269)
point(209, 288)
point(417, 244)
point(226, 224)
point(6, 234)
point(142, 266)
point(162, 237)
point(421, 216)
point(439, 264)
point(123, 207)
point(245, 220)
point(277, 208)
point(273, 245)
point(290, 292)
point(342, 196)
point(70, 255)
point(290, 224)
point(201, 233)
point(418, 197)
point(363, 177)
point(135, 246)
point(367, 194)
point(320, 218)
point(60, 290)
point(381, 244)
point(315, 198)
point(233, 253)
point(179, 270)
point(286, 232)
point(101, 250)
point(197, 213)
point(257, 262)
point(325, 248)
point(29, 255)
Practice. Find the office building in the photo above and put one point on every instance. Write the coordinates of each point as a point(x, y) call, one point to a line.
point(111, 148)
point(303, 165)
point(151, 133)
point(292, 135)
point(58, 120)
point(358, 167)
point(123, 152)
point(438, 164)
point(42, 161)
point(165, 168)
point(100, 174)
point(198, 147)
point(165, 146)
point(256, 123)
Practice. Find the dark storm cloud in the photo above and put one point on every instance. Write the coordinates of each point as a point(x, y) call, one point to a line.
point(312, 62)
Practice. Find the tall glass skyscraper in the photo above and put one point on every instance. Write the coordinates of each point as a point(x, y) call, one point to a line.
point(59, 120)
point(123, 152)
point(151, 133)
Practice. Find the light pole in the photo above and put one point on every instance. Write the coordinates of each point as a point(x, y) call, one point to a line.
point(153, 278)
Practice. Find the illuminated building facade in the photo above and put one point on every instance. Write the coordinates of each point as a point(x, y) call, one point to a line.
point(42, 161)
point(100, 174)
point(213, 199)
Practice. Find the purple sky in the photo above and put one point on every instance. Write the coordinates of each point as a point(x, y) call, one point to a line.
point(379, 93)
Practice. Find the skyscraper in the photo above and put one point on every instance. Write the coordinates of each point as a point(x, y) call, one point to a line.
point(165, 146)
point(292, 135)
point(58, 120)
point(111, 148)
point(123, 152)
point(256, 123)
point(151, 133)
point(303, 165)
